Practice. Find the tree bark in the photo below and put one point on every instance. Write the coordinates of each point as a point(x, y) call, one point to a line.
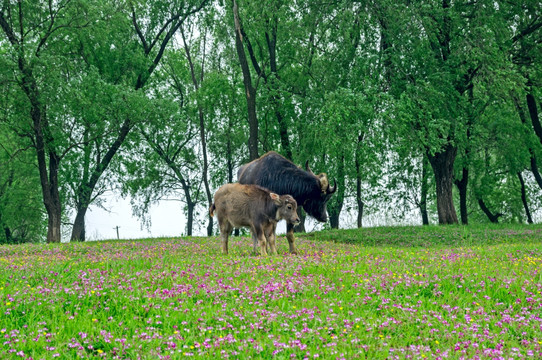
point(335, 205)
point(275, 99)
point(3, 189)
point(533, 112)
point(361, 204)
point(357, 162)
point(443, 165)
point(83, 196)
point(190, 218)
point(53, 223)
point(524, 198)
point(9, 236)
point(44, 149)
point(78, 231)
point(494, 218)
point(536, 173)
point(300, 228)
point(250, 91)
point(424, 191)
point(462, 187)
point(534, 165)
point(48, 176)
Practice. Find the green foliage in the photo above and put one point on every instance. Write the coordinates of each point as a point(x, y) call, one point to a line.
point(22, 218)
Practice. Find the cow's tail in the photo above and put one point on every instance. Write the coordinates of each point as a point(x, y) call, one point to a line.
point(212, 210)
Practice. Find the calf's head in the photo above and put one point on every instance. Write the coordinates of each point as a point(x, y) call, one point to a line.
point(287, 208)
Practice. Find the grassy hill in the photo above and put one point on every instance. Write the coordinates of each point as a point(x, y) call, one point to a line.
point(426, 236)
point(378, 293)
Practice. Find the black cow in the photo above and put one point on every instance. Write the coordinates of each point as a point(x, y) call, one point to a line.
point(280, 175)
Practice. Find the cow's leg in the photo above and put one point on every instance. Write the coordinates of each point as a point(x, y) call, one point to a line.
point(225, 230)
point(290, 237)
point(255, 243)
point(266, 230)
point(259, 232)
point(270, 235)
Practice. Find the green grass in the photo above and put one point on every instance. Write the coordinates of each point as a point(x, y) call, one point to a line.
point(433, 235)
point(377, 293)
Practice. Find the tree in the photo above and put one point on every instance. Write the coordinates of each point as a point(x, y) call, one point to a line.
point(22, 218)
point(197, 81)
point(250, 90)
point(162, 20)
point(31, 30)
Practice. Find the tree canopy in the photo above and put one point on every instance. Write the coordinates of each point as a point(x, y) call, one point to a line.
point(422, 111)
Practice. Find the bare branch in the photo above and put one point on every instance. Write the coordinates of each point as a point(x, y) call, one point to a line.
point(8, 30)
point(527, 31)
point(139, 33)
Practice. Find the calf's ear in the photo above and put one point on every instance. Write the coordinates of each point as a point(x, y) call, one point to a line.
point(276, 198)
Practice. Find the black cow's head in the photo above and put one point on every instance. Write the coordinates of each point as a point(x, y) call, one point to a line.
point(315, 206)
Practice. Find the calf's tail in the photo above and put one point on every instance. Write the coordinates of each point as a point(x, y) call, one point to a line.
point(212, 210)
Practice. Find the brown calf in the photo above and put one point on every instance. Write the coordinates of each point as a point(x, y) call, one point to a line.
point(254, 207)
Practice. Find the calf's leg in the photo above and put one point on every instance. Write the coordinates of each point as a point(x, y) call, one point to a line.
point(225, 230)
point(290, 237)
point(270, 236)
point(259, 233)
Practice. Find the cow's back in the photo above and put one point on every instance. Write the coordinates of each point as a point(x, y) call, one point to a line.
point(276, 173)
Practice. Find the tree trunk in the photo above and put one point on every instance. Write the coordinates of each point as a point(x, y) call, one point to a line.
point(424, 191)
point(86, 188)
point(534, 169)
point(522, 117)
point(53, 224)
point(360, 213)
point(302, 217)
point(9, 236)
point(190, 218)
point(384, 56)
point(250, 91)
point(462, 186)
point(275, 99)
point(359, 202)
point(51, 197)
point(48, 177)
point(229, 161)
point(494, 218)
point(357, 162)
point(524, 198)
point(78, 230)
point(443, 166)
point(201, 130)
point(334, 220)
point(535, 120)
point(336, 204)
point(3, 189)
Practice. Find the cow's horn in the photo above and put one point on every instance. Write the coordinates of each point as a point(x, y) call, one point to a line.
point(333, 188)
point(324, 182)
point(307, 167)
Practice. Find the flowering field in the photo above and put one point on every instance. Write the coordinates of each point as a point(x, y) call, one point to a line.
point(359, 296)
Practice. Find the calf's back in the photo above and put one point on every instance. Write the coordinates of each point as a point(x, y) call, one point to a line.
point(242, 205)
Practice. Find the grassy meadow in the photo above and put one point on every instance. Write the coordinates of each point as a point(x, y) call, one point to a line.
point(380, 293)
